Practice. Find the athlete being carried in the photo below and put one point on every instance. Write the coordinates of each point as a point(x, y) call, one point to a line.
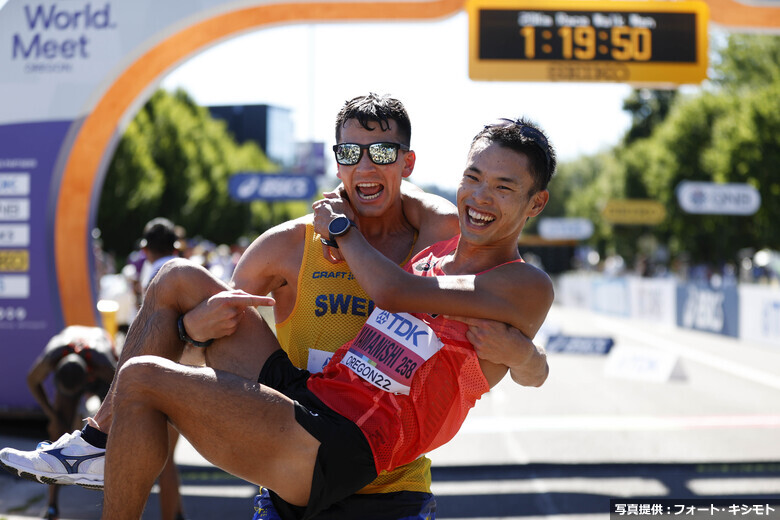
point(313, 439)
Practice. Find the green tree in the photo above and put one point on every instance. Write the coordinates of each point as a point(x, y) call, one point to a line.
point(729, 131)
point(747, 61)
point(174, 161)
point(674, 153)
point(648, 108)
point(582, 188)
point(746, 149)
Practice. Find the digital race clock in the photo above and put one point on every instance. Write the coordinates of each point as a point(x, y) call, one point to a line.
point(654, 42)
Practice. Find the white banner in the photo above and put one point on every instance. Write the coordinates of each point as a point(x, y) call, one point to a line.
point(759, 313)
point(574, 289)
point(54, 54)
point(710, 198)
point(654, 299)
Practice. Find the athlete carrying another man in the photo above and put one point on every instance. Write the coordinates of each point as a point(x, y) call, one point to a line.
point(319, 305)
point(315, 439)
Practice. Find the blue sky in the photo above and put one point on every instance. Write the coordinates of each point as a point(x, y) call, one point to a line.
point(312, 69)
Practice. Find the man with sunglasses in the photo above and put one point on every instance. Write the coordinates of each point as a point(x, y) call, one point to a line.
point(402, 387)
point(319, 304)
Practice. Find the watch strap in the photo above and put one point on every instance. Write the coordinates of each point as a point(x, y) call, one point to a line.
point(329, 243)
point(185, 337)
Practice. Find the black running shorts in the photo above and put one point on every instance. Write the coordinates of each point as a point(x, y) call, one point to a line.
point(344, 463)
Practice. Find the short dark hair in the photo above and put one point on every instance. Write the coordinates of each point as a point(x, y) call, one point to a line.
point(70, 376)
point(524, 136)
point(374, 108)
point(160, 236)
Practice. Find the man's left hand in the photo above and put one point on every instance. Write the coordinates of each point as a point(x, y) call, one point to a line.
point(497, 342)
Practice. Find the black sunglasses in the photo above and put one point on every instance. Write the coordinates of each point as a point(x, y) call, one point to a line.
point(349, 154)
point(529, 133)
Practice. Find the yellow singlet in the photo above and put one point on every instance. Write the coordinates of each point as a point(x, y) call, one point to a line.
point(330, 308)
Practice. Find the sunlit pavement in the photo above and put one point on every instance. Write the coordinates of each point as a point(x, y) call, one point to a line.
point(668, 414)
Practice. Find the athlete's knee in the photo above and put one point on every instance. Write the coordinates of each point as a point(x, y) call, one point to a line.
point(180, 277)
point(173, 274)
point(137, 377)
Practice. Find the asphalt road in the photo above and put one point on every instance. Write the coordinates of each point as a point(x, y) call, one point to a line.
point(667, 415)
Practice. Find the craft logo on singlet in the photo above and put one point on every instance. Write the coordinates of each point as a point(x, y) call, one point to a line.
point(330, 274)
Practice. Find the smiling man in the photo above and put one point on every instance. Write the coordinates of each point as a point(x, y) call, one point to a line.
point(317, 438)
point(319, 305)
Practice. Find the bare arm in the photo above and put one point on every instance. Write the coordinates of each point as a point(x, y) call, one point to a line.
point(502, 344)
point(42, 367)
point(264, 265)
point(270, 263)
point(493, 295)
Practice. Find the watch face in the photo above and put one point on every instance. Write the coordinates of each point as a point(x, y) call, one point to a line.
point(338, 226)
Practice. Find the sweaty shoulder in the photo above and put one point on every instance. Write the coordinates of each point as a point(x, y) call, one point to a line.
point(273, 259)
point(434, 217)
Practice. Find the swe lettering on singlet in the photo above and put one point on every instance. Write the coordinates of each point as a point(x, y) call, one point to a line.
point(390, 348)
point(342, 304)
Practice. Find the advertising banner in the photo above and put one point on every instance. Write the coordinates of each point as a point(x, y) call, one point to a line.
point(246, 186)
point(710, 198)
point(654, 300)
point(711, 310)
point(29, 310)
point(611, 296)
point(759, 314)
point(558, 228)
point(574, 289)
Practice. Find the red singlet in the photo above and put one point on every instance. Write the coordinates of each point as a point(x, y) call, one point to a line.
point(440, 391)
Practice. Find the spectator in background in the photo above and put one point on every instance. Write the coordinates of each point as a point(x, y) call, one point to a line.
point(83, 362)
point(160, 243)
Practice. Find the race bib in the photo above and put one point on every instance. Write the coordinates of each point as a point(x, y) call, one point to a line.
point(317, 360)
point(390, 348)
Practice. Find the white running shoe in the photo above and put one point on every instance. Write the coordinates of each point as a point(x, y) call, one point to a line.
point(70, 460)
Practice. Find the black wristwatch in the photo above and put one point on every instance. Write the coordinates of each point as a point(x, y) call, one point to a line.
point(337, 227)
point(185, 338)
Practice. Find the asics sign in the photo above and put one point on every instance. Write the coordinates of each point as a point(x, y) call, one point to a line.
point(262, 186)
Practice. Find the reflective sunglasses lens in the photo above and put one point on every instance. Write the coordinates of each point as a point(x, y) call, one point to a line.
point(383, 153)
point(347, 153)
